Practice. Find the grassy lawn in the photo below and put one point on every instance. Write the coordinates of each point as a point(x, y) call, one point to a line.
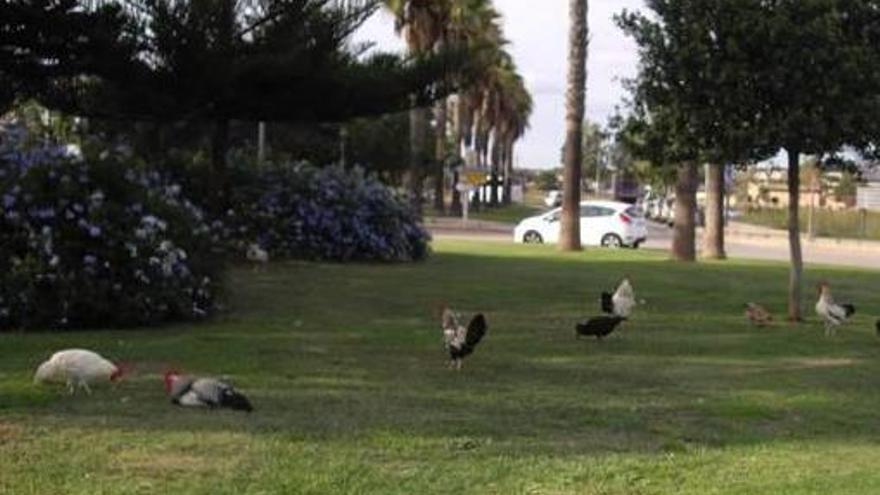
point(837, 224)
point(345, 367)
point(511, 214)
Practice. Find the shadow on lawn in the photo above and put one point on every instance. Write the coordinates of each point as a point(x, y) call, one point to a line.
point(335, 352)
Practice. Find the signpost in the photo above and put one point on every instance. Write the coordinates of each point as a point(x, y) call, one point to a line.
point(469, 179)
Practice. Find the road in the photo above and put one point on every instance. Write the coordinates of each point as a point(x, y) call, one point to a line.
point(755, 244)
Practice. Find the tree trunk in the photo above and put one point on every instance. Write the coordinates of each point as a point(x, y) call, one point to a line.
point(495, 159)
point(570, 233)
point(219, 150)
point(456, 195)
point(458, 133)
point(508, 172)
point(684, 233)
point(794, 236)
point(440, 157)
point(713, 234)
point(414, 176)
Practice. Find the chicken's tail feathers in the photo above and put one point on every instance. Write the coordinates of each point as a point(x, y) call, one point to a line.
point(607, 300)
point(849, 308)
point(476, 330)
point(235, 400)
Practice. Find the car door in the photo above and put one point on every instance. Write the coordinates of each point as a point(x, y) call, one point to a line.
point(606, 223)
point(589, 227)
point(550, 227)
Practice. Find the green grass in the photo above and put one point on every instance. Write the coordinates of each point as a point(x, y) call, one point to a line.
point(345, 367)
point(844, 224)
point(510, 214)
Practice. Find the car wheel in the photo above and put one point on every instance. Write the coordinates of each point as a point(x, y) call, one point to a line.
point(533, 237)
point(636, 245)
point(612, 241)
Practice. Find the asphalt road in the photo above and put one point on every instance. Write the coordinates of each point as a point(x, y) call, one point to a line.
point(660, 238)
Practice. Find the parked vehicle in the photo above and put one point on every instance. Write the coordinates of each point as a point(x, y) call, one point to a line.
point(603, 223)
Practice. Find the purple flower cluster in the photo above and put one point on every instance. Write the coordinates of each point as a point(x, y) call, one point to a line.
point(299, 211)
point(88, 242)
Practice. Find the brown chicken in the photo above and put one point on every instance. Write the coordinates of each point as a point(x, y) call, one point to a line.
point(757, 314)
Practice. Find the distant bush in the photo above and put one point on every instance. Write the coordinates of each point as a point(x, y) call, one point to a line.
point(95, 242)
point(300, 211)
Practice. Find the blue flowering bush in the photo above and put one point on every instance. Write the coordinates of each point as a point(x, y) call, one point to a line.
point(97, 242)
point(304, 212)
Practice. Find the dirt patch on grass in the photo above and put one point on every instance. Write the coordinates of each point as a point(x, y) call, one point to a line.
point(10, 432)
point(164, 463)
point(819, 362)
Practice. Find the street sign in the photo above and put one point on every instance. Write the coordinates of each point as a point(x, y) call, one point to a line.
point(473, 177)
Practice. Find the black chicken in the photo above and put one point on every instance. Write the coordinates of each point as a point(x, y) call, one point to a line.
point(599, 326)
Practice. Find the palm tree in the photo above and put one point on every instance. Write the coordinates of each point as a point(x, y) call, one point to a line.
point(507, 108)
point(474, 24)
point(569, 237)
point(422, 24)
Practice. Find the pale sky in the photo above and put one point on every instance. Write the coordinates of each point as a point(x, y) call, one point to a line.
point(538, 31)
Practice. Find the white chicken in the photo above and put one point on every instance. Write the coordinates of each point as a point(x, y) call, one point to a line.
point(257, 255)
point(460, 341)
point(78, 368)
point(833, 315)
point(187, 391)
point(622, 302)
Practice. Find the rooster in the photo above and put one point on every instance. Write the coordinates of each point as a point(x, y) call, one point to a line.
point(461, 341)
point(622, 302)
point(757, 314)
point(599, 326)
point(832, 314)
point(187, 391)
point(78, 368)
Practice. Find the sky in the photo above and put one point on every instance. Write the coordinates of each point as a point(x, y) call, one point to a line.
point(538, 32)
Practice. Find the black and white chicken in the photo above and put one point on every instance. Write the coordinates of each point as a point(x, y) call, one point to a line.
point(187, 391)
point(460, 341)
point(599, 326)
point(833, 315)
point(622, 302)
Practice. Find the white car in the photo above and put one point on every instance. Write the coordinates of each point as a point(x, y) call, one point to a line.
point(603, 223)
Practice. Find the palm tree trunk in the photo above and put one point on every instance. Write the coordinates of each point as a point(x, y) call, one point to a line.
point(459, 138)
point(495, 159)
point(570, 233)
point(440, 157)
point(414, 177)
point(508, 171)
point(684, 233)
point(794, 235)
point(713, 234)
